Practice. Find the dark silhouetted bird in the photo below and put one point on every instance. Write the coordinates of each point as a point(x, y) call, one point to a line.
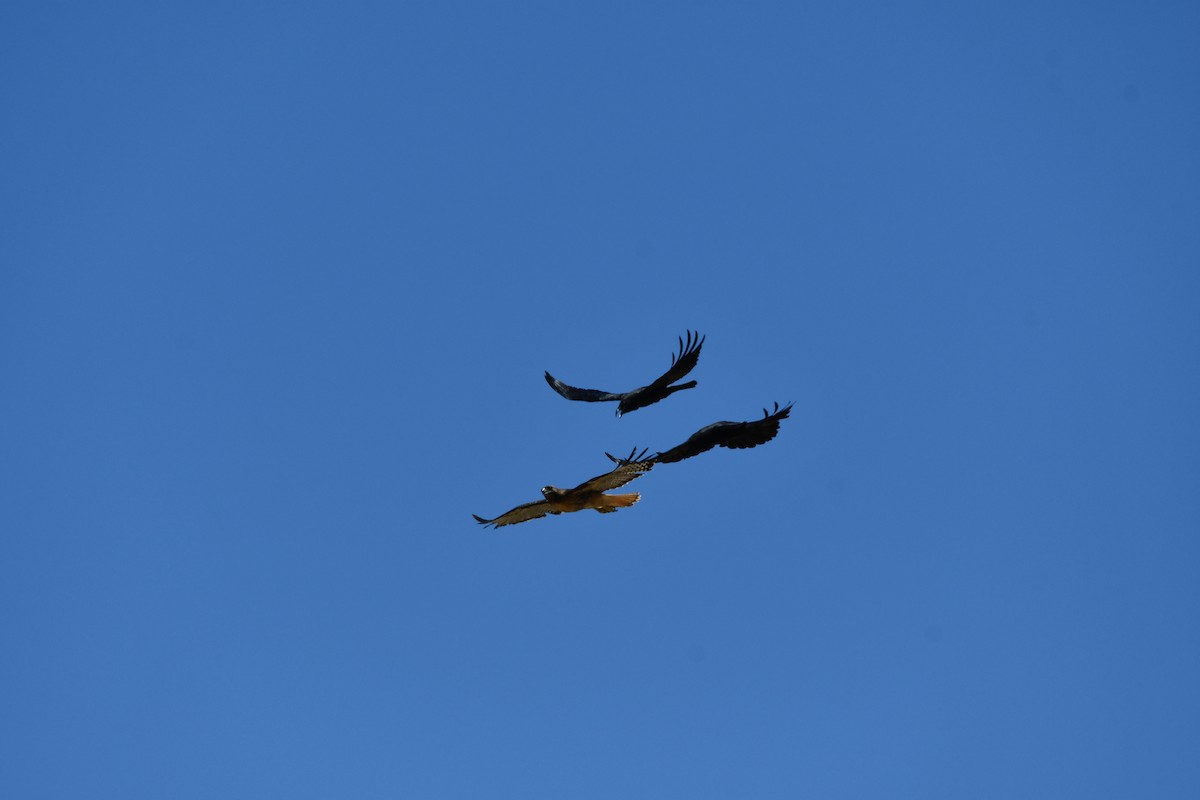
point(642, 396)
point(735, 435)
point(589, 494)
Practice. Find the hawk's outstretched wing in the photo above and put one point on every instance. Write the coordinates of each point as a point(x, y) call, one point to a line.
point(734, 435)
point(681, 364)
point(534, 510)
point(623, 474)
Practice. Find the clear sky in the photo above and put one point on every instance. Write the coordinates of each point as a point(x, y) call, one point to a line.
point(278, 283)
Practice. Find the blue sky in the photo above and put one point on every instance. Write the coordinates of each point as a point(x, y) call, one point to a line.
point(278, 283)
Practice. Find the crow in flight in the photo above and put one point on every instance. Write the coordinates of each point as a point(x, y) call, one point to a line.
point(681, 365)
point(589, 494)
point(735, 435)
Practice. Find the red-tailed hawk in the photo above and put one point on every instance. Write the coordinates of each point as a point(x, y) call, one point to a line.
point(642, 396)
point(735, 435)
point(589, 494)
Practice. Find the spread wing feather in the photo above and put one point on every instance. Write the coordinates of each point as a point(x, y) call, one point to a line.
point(534, 510)
point(685, 362)
point(623, 474)
point(575, 393)
point(734, 435)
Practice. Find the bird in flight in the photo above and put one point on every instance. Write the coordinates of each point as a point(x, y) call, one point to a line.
point(681, 365)
point(735, 435)
point(589, 494)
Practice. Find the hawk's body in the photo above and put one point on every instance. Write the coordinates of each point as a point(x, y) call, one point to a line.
point(681, 364)
point(589, 494)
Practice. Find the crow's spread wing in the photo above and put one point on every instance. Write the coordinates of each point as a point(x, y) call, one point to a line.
point(684, 362)
point(575, 393)
point(735, 435)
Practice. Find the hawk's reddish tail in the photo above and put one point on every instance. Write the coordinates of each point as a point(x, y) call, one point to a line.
point(614, 501)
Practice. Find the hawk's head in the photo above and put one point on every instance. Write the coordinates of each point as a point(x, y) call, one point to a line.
point(551, 492)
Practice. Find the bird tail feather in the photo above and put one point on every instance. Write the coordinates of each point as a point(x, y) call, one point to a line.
point(614, 501)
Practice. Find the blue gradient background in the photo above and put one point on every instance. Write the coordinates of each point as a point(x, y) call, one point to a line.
point(278, 282)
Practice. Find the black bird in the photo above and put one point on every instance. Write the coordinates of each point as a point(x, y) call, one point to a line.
point(642, 396)
point(735, 435)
